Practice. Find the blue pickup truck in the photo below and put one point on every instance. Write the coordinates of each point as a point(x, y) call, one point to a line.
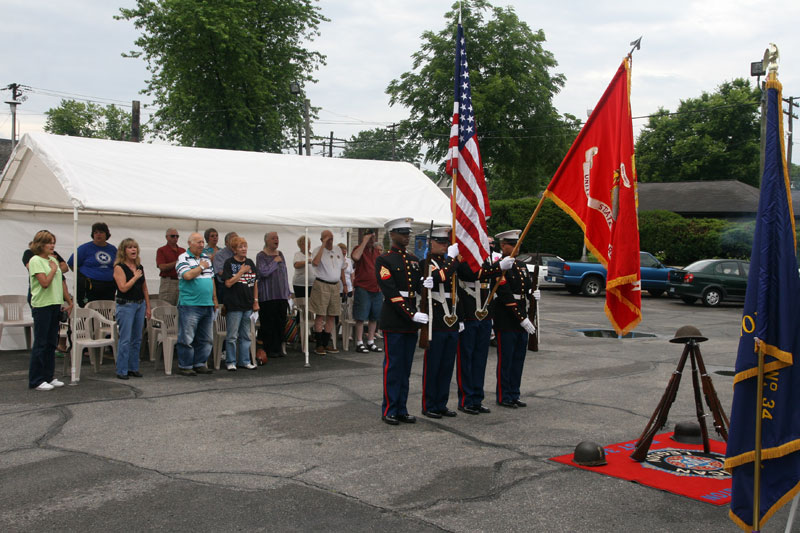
point(590, 278)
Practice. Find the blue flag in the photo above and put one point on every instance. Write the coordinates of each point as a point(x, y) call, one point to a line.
point(771, 319)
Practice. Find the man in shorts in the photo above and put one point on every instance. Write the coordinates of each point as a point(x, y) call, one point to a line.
point(368, 298)
point(326, 303)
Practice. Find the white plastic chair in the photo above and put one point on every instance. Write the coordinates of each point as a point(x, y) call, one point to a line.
point(150, 331)
point(108, 309)
point(15, 316)
point(165, 321)
point(83, 336)
point(347, 323)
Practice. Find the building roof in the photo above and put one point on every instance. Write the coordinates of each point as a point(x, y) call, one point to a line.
point(700, 197)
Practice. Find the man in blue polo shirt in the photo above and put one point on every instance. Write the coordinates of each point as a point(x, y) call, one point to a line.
point(197, 300)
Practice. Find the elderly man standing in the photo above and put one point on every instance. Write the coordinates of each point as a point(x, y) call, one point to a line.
point(166, 258)
point(197, 300)
point(326, 303)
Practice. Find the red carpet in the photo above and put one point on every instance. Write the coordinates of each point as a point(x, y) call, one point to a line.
point(671, 466)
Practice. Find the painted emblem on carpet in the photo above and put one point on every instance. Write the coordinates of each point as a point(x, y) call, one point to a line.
point(687, 463)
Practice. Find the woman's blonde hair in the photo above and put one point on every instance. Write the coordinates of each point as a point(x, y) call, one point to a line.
point(124, 245)
point(39, 241)
point(300, 240)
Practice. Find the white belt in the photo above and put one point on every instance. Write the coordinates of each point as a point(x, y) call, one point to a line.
point(404, 294)
point(518, 297)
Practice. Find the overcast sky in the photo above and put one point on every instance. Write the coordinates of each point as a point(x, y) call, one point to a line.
point(72, 49)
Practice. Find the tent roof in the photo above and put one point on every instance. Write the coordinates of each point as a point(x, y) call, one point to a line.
point(56, 173)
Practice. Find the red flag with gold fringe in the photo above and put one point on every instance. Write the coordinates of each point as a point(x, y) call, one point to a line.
point(596, 185)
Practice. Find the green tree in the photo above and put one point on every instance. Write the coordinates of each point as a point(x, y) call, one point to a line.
point(521, 135)
point(221, 71)
point(713, 137)
point(382, 144)
point(81, 119)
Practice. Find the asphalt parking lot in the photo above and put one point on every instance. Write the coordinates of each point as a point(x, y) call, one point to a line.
point(286, 448)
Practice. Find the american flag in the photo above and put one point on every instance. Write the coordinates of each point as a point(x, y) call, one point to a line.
point(472, 201)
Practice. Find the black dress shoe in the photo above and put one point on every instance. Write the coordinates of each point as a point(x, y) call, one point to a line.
point(447, 412)
point(122, 376)
point(481, 409)
point(203, 370)
point(135, 374)
point(468, 409)
point(407, 419)
point(520, 403)
point(390, 419)
point(510, 405)
point(431, 414)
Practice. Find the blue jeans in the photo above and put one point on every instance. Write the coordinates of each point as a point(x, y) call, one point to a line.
point(194, 335)
point(45, 340)
point(367, 305)
point(237, 339)
point(130, 318)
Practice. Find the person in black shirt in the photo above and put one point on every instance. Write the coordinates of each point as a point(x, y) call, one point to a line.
point(240, 299)
point(133, 306)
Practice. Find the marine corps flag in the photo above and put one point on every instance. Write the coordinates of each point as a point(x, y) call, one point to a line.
point(771, 320)
point(596, 185)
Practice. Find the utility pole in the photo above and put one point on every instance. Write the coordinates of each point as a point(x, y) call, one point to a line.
point(394, 142)
point(16, 93)
point(330, 146)
point(307, 119)
point(792, 105)
point(135, 121)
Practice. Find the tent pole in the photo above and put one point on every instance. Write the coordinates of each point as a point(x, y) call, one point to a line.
point(306, 298)
point(75, 370)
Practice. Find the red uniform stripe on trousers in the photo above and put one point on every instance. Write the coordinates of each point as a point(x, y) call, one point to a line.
point(458, 375)
point(499, 367)
point(424, 377)
point(385, 371)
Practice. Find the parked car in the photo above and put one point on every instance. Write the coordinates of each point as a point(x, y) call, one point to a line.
point(590, 278)
point(711, 281)
point(542, 259)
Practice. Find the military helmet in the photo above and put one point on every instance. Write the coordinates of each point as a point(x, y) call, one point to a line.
point(687, 433)
point(686, 334)
point(588, 453)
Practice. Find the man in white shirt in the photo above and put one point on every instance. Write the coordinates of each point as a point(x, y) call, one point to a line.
point(328, 262)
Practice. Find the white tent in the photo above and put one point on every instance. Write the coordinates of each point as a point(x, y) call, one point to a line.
point(52, 179)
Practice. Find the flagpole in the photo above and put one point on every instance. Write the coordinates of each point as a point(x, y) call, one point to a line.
point(453, 232)
point(515, 251)
point(757, 460)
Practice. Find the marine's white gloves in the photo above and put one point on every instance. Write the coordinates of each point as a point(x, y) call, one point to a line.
point(506, 263)
point(496, 257)
point(537, 294)
point(427, 283)
point(452, 251)
point(421, 318)
point(460, 327)
point(528, 326)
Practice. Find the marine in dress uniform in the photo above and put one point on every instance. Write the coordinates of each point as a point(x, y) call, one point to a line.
point(473, 340)
point(399, 278)
point(441, 352)
point(511, 324)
